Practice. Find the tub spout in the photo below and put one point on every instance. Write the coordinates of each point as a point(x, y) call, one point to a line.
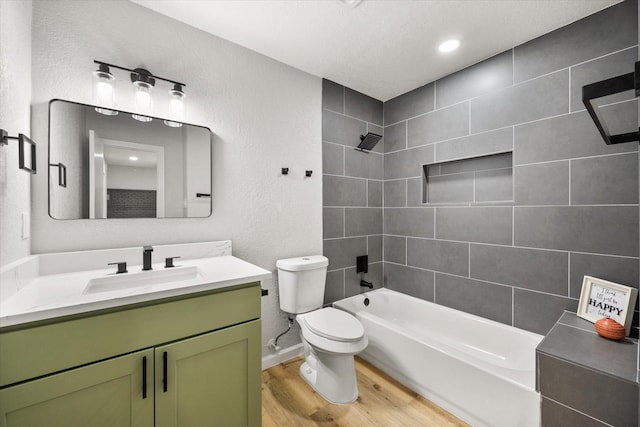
point(366, 284)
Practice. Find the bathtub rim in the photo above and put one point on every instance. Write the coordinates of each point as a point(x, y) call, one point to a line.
point(408, 334)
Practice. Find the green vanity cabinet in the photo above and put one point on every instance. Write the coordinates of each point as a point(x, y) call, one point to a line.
point(104, 394)
point(199, 357)
point(207, 380)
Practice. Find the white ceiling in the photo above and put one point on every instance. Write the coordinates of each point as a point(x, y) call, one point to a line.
point(382, 48)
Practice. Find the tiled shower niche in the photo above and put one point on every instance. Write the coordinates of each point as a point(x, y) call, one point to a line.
point(482, 179)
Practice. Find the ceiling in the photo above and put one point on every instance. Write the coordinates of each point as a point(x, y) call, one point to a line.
point(382, 48)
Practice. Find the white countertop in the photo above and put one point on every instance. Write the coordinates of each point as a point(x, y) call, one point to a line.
point(55, 295)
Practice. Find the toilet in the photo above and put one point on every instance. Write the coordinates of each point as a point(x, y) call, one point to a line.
point(330, 337)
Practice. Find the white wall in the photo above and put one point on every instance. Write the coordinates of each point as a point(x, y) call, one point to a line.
point(15, 93)
point(132, 178)
point(71, 150)
point(265, 115)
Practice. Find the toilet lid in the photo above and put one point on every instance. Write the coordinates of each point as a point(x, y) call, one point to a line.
point(334, 324)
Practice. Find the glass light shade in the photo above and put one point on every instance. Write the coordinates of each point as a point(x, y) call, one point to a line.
point(143, 100)
point(103, 91)
point(172, 124)
point(176, 103)
point(141, 118)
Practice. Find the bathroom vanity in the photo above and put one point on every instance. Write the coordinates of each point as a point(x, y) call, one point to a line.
point(186, 359)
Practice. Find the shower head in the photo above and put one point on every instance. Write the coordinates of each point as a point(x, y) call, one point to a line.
point(368, 141)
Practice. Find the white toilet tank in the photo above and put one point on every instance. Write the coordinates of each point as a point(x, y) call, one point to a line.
point(301, 283)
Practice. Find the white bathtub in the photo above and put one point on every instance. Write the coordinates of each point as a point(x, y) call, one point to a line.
point(479, 370)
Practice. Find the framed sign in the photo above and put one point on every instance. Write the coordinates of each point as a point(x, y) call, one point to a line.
point(600, 298)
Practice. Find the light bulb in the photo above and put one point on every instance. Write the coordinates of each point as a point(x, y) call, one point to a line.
point(105, 90)
point(176, 106)
point(143, 97)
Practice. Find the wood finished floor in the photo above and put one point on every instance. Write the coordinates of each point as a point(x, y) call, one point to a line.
point(287, 400)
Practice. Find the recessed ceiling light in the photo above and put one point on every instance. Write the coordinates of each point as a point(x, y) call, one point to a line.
point(133, 158)
point(352, 3)
point(449, 45)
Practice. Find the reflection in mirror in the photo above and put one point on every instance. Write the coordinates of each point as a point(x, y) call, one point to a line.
point(118, 167)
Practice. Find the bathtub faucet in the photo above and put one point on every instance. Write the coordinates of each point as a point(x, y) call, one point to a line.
point(366, 284)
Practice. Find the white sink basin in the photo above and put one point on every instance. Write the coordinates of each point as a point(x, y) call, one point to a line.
point(140, 279)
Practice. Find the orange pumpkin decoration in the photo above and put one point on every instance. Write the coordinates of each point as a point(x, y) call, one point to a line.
point(610, 329)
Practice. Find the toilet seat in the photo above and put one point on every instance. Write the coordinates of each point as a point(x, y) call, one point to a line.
point(352, 342)
point(334, 324)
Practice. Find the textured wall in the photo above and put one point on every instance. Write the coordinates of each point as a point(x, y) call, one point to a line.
point(575, 200)
point(352, 189)
point(15, 94)
point(265, 115)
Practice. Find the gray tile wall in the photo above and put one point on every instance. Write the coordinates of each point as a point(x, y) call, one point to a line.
point(571, 204)
point(353, 189)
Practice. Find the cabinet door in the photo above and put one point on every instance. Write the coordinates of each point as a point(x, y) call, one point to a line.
point(211, 379)
point(104, 394)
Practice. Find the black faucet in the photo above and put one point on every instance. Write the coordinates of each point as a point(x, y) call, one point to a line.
point(146, 258)
point(366, 284)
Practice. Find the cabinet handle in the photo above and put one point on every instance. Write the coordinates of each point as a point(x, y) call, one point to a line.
point(144, 377)
point(165, 380)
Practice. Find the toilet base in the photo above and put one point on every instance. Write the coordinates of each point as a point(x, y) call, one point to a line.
point(333, 376)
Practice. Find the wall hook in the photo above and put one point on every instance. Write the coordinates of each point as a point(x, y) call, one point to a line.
point(23, 142)
point(285, 171)
point(308, 173)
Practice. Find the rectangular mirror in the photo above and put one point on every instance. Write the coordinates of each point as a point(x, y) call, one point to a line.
point(120, 167)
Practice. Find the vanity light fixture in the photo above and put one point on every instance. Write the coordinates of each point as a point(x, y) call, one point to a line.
point(144, 82)
point(133, 158)
point(449, 46)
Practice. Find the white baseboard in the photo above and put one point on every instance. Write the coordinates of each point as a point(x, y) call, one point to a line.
point(281, 356)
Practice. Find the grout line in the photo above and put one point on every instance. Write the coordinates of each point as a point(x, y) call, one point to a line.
point(449, 140)
point(579, 158)
point(428, 112)
point(473, 182)
point(513, 226)
point(344, 223)
point(513, 66)
point(435, 211)
point(406, 193)
point(569, 274)
point(353, 207)
point(469, 133)
point(406, 135)
point(366, 196)
point(434, 286)
point(514, 84)
point(353, 177)
point(350, 237)
point(509, 246)
point(469, 263)
point(406, 251)
point(482, 280)
point(569, 89)
point(366, 122)
point(570, 161)
point(513, 306)
point(574, 409)
point(435, 93)
point(604, 56)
